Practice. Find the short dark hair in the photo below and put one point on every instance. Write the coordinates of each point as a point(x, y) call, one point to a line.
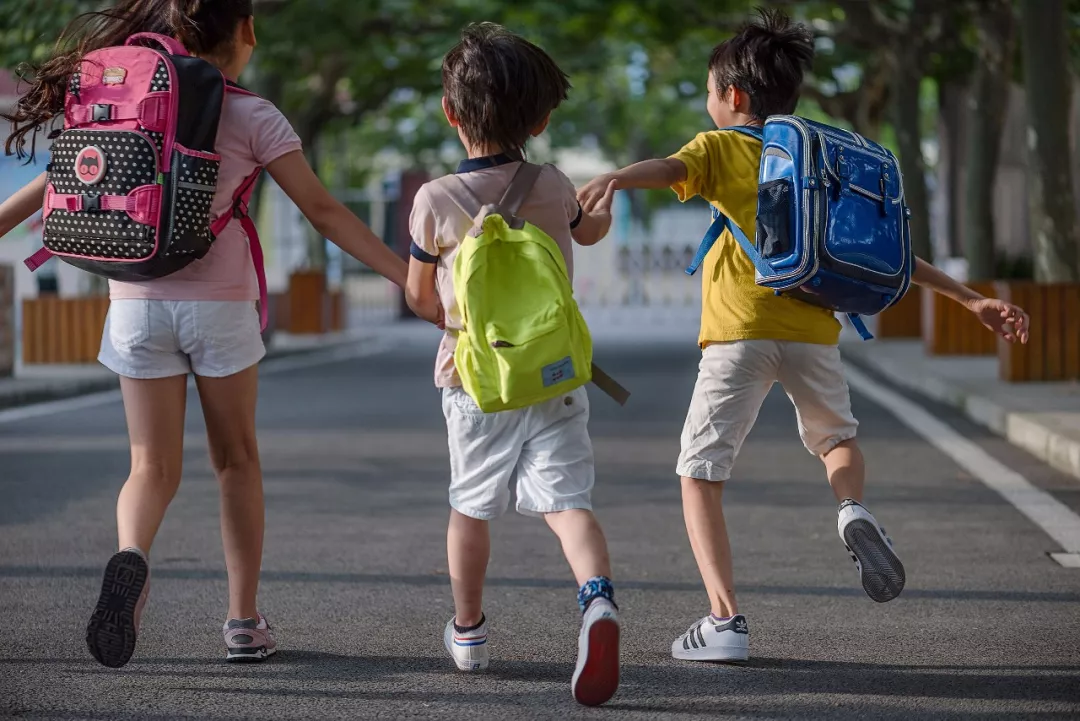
point(500, 87)
point(766, 60)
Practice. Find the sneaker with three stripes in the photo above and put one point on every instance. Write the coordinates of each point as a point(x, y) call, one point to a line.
point(714, 639)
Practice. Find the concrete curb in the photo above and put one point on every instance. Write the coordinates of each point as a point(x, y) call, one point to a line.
point(1033, 432)
point(59, 389)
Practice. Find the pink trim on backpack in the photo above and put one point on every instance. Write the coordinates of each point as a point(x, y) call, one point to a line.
point(170, 45)
point(151, 113)
point(197, 153)
point(40, 257)
point(142, 204)
point(239, 210)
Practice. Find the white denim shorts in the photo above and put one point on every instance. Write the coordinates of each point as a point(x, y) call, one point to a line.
point(544, 449)
point(164, 338)
point(733, 380)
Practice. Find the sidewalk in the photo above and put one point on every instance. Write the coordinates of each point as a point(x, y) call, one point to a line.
point(39, 383)
point(1042, 418)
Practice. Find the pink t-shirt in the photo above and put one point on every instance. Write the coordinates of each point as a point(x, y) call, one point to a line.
point(442, 216)
point(252, 133)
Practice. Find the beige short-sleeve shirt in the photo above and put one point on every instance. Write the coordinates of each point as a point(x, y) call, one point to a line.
point(443, 213)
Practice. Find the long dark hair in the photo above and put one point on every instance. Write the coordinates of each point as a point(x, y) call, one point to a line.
point(205, 27)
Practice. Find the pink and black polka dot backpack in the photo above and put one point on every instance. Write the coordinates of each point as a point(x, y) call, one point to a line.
point(133, 173)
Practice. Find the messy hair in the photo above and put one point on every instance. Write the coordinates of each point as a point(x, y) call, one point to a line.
point(500, 87)
point(766, 60)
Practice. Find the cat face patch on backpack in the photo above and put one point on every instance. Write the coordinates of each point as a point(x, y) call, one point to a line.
point(90, 165)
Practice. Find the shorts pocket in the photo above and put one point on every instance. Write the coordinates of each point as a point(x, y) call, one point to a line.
point(774, 218)
point(128, 323)
point(226, 324)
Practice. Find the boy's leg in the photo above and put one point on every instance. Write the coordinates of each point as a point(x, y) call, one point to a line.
point(846, 470)
point(555, 480)
point(733, 380)
point(484, 450)
point(468, 548)
point(813, 376)
point(703, 513)
point(583, 543)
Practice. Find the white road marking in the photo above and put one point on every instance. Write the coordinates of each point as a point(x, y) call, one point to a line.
point(1068, 560)
point(1051, 515)
point(272, 366)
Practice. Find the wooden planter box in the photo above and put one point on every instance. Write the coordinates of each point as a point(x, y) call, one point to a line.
point(62, 330)
point(903, 320)
point(1052, 352)
point(310, 307)
point(951, 329)
point(7, 320)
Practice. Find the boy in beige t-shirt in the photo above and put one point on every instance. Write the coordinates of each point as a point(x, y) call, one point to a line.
point(500, 90)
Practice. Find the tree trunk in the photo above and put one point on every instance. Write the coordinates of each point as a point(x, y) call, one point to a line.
point(1055, 235)
point(987, 105)
point(907, 116)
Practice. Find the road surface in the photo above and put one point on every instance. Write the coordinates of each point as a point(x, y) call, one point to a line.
point(355, 580)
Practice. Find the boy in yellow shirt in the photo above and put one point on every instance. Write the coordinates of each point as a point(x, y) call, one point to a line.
point(752, 338)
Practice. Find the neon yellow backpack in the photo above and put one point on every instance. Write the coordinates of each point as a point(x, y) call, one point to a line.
point(523, 340)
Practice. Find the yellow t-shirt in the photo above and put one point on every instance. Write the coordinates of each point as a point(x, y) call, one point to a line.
point(722, 167)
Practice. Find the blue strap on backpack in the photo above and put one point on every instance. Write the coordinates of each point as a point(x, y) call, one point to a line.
point(722, 222)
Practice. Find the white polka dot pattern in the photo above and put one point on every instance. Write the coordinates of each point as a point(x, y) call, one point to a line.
point(195, 181)
point(108, 235)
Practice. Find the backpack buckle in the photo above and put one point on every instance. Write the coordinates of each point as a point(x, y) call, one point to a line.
point(100, 113)
point(91, 202)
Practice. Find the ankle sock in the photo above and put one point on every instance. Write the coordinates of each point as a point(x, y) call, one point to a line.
point(596, 587)
point(466, 629)
point(718, 620)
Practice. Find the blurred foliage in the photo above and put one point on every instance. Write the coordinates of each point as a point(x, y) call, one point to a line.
point(362, 77)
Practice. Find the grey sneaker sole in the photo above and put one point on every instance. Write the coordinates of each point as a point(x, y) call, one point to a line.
point(111, 633)
point(249, 655)
point(882, 572)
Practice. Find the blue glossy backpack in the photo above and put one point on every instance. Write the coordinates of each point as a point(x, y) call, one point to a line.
point(832, 225)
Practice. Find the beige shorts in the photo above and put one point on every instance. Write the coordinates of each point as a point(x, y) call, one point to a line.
point(732, 383)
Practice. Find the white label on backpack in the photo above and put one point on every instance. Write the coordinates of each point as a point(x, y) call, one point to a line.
point(558, 372)
point(114, 76)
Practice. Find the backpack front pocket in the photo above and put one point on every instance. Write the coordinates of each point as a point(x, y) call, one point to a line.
point(536, 361)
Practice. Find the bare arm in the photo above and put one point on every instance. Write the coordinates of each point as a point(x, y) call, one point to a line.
point(1005, 319)
point(421, 293)
point(332, 219)
point(648, 174)
point(22, 204)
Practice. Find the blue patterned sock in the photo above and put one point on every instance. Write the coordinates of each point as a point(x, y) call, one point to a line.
point(596, 587)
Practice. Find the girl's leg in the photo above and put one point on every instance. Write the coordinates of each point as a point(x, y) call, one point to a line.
point(155, 420)
point(468, 547)
point(582, 542)
point(229, 407)
point(703, 512)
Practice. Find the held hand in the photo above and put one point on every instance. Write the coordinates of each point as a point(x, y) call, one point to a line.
point(603, 205)
point(1005, 319)
point(595, 191)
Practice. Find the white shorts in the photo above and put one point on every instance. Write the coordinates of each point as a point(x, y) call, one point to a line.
point(544, 449)
point(732, 383)
point(164, 338)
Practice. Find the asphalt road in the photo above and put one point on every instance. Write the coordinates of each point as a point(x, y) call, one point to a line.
point(355, 577)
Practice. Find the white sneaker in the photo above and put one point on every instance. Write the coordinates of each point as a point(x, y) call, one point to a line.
point(469, 649)
point(872, 551)
point(712, 640)
point(596, 676)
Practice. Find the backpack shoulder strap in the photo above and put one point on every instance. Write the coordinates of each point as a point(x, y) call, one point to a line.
point(524, 180)
point(751, 130)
